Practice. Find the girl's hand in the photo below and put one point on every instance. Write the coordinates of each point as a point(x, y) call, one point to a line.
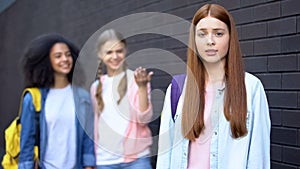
point(141, 77)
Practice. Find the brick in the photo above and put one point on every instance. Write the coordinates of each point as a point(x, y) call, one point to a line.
point(291, 118)
point(282, 26)
point(239, 31)
point(276, 152)
point(256, 30)
point(268, 11)
point(270, 81)
point(275, 115)
point(142, 38)
point(255, 64)
point(166, 6)
point(291, 155)
point(291, 81)
point(186, 12)
point(247, 48)
point(298, 61)
point(282, 99)
point(174, 44)
point(276, 165)
point(134, 5)
point(298, 99)
point(242, 16)
point(298, 137)
point(229, 4)
point(162, 5)
point(290, 7)
point(245, 3)
point(298, 24)
point(280, 135)
point(180, 53)
point(153, 43)
point(267, 46)
point(290, 43)
point(162, 82)
point(282, 63)
point(156, 58)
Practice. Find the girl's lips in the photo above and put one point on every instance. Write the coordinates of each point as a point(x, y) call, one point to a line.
point(211, 52)
point(65, 66)
point(115, 63)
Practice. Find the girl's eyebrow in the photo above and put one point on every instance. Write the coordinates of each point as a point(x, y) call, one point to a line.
point(56, 53)
point(107, 51)
point(214, 29)
point(61, 52)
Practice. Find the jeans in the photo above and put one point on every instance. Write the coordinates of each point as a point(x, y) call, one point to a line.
point(141, 163)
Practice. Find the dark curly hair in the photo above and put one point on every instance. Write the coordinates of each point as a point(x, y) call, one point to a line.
point(36, 65)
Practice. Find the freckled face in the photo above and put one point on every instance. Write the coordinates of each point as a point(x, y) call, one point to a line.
point(212, 39)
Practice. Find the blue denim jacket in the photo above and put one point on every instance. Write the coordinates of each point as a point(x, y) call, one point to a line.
point(249, 152)
point(84, 130)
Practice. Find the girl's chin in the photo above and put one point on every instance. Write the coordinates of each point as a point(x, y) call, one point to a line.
point(115, 68)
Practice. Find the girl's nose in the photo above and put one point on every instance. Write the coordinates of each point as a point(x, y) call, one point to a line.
point(210, 40)
point(64, 57)
point(114, 55)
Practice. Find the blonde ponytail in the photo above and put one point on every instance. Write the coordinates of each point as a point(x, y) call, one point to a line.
point(99, 89)
point(122, 88)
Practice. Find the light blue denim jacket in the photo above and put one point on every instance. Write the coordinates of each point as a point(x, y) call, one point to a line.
point(84, 130)
point(249, 152)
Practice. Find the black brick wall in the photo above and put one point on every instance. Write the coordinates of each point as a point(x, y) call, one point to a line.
point(268, 32)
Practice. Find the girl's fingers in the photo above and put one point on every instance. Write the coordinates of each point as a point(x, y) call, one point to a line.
point(142, 76)
point(149, 76)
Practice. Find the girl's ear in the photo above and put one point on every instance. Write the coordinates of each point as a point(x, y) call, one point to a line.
point(99, 54)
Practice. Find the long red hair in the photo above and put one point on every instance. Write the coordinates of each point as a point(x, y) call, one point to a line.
point(235, 103)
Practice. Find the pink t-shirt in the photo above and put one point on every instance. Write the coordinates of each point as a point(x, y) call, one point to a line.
point(199, 150)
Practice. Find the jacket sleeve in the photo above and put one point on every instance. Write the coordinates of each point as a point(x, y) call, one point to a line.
point(88, 136)
point(165, 135)
point(88, 155)
point(259, 150)
point(28, 135)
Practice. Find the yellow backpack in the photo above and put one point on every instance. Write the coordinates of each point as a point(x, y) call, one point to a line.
point(13, 132)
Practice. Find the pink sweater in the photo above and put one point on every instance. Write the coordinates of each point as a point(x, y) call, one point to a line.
point(199, 156)
point(138, 135)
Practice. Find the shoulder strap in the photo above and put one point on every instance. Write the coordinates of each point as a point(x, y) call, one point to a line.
point(36, 98)
point(176, 90)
